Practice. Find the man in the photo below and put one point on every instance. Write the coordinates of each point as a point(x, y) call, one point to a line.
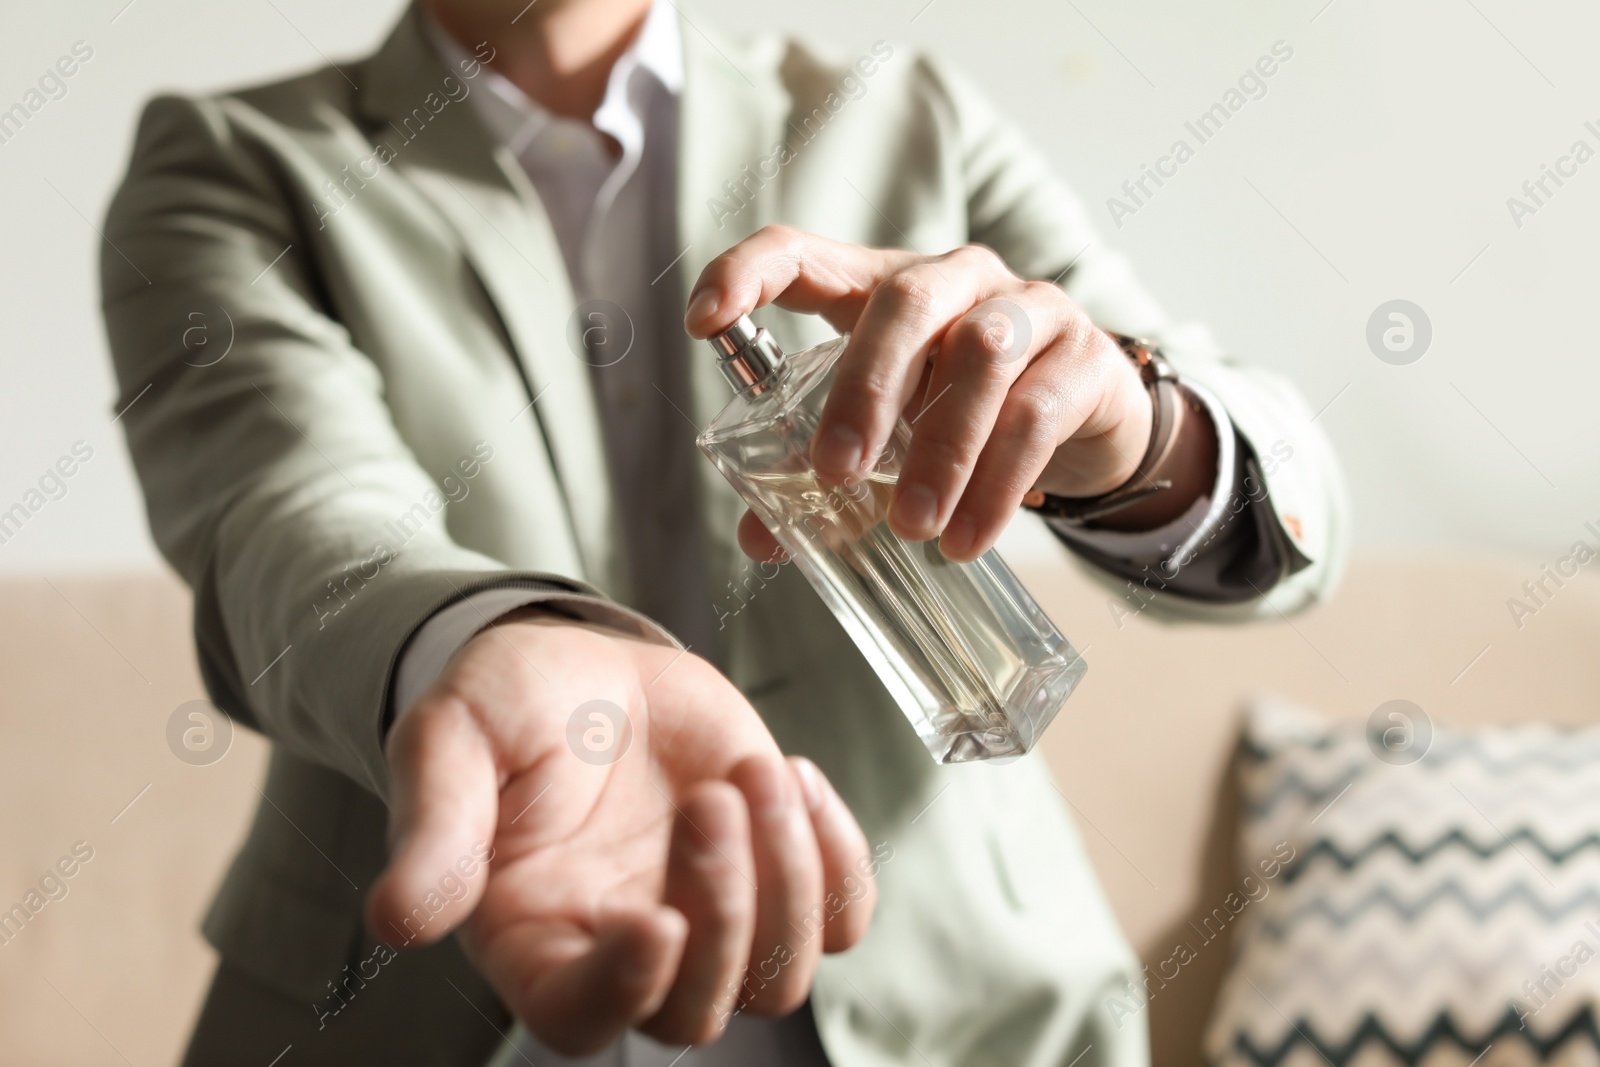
point(413, 409)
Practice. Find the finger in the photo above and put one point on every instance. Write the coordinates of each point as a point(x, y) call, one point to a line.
point(757, 541)
point(1054, 397)
point(797, 270)
point(881, 365)
point(709, 881)
point(849, 891)
point(785, 949)
point(586, 990)
point(443, 805)
point(980, 356)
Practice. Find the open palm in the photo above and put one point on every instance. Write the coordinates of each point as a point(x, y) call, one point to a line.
point(652, 858)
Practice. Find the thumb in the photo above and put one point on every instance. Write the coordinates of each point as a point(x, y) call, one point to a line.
point(443, 808)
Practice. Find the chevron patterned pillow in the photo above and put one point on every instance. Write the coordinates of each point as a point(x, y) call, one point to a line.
point(1439, 898)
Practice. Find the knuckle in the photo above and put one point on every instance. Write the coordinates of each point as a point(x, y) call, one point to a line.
point(1044, 292)
point(1032, 415)
point(911, 293)
point(779, 233)
point(944, 455)
point(982, 257)
point(874, 391)
point(990, 337)
point(1084, 342)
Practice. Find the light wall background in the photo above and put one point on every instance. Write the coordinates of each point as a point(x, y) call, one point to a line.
point(1377, 166)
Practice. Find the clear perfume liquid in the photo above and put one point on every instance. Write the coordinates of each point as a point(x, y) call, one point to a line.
point(972, 661)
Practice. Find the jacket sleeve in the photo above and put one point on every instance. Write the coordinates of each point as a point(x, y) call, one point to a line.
point(1289, 489)
point(268, 458)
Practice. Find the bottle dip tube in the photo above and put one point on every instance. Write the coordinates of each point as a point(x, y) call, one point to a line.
point(966, 653)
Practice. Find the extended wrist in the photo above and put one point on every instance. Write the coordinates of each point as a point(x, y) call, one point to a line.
point(1185, 467)
point(1177, 464)
point(437, 641)
point(1105, 452)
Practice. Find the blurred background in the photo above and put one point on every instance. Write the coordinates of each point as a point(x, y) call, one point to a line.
point(1376, 165)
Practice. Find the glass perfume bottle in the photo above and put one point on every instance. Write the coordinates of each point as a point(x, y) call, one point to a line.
point(967, 654)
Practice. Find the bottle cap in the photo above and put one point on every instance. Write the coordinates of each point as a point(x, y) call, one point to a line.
point(748, 356)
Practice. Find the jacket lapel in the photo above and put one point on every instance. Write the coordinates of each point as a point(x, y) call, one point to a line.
point(731, 115)
point(505, 235)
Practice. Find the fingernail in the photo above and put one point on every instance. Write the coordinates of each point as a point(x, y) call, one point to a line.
point(703, 303)
point(917, 510)
point(958, 536)
point(810, 783)
point(838, 451)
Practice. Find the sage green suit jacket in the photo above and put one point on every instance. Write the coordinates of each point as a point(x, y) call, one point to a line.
point(304, 384)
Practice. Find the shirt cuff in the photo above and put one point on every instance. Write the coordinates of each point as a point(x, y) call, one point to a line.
point(448, 630)
point(1229, 548)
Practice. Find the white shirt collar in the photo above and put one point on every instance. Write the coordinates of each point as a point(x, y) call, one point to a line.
point(659, 46)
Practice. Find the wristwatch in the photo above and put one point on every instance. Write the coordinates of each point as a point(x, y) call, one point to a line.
point(1170, 407)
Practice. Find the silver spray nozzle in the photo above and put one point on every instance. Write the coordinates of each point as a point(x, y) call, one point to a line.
point(747, 356)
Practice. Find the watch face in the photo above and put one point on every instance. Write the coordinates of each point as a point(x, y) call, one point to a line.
point(1147, 357)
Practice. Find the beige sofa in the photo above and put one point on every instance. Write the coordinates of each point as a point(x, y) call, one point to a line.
point(93, 668)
